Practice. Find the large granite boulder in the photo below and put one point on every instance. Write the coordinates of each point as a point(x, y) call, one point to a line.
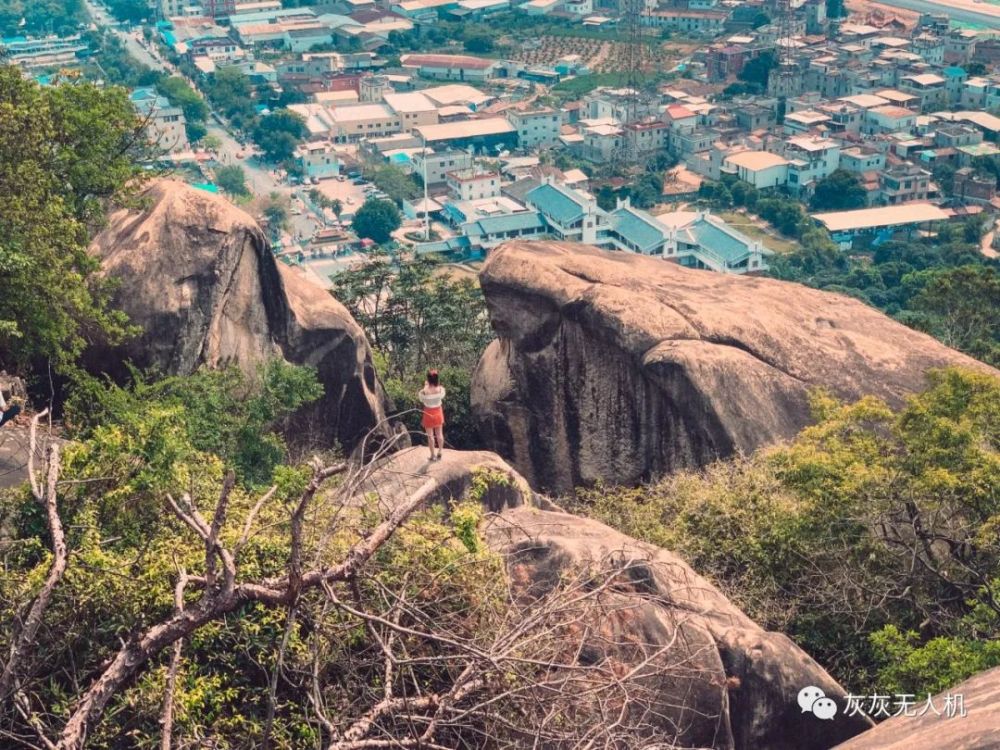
point(618, 367)
point(736, 685)
point(943, 728)
point(197, 276)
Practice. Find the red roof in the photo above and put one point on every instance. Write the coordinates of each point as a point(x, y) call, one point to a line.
point(446, 61)
point(679, 112)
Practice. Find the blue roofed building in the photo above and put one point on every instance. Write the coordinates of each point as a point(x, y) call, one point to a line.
point(695, 239)
point(572, 215)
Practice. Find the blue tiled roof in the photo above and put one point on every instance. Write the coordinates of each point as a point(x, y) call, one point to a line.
point(638, 228)
point(728, 244)
point(558, 203)
point(524, 220)
point(954, 72)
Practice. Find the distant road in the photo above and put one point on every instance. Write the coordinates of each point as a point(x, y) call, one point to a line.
point(962, 11)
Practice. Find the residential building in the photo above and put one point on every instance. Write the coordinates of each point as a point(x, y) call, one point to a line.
point(165, 123)
point(536, 128)
point(317, 160)
point(473, 184)
point(435, 165)
point(810, 159)
point(761, 169)
point(903, 183)
point(351, 122)
point(412, 109)
point(707, 22)
point(861, 159)
point(889, 119)
point(571, 215)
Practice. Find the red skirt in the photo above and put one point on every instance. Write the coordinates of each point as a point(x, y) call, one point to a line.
point(433, 417)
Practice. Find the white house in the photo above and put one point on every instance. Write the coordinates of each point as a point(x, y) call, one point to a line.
point(761, 169)
point(536, 127)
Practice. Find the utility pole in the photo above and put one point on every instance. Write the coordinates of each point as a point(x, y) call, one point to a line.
point(427, 215)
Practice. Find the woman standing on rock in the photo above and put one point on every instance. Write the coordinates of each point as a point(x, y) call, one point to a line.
point(432, 396)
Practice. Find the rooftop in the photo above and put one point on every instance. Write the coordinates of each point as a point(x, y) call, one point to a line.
point(446, 61)
point(886, 216)
point(465, 129)
point(756, 160)
point(562, 204)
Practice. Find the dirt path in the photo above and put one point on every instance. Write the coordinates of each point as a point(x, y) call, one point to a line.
point(986, 245)
point(599, 57)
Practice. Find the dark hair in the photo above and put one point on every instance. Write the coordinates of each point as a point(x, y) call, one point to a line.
point(432, 377)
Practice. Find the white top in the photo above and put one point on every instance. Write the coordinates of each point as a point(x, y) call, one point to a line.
point(432, 400)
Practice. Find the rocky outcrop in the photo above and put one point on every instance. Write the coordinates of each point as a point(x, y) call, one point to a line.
point(977, 729)
point(737, 685)
point(617, 367)
point(197, 276)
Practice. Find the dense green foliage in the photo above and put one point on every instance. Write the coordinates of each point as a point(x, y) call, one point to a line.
point(130, 11)
point(839, 191)
point(278, 134)
point(140, 449)
point(394, 182)
point(232, 179)
point(41, 17)
point(377, 220)
point(871, 539)
point(417, 318)
point(67, 153)
point(225, 413)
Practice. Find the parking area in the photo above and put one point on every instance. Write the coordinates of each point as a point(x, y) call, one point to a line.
point(349, 194)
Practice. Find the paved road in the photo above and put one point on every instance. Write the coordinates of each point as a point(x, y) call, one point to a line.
point(960, 14)
point(260, 179)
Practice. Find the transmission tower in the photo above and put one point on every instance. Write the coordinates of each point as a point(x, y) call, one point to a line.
point(635, 55)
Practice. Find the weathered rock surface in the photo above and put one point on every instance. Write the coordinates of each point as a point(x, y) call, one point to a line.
point(979, 729)
point(617, 367)
point(738, 684)
point(198, 277)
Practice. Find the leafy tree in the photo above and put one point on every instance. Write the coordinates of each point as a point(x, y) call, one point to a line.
point(231, 92)
point(278, 134)
point(761, 19)
point(377, 220)
point(838, 191)
point(276, 214)
point(959, 306)
point(67, 154)
point(479, 43)
point(130, 11)
point(232, 179)
point(417, 318)
point(835, 9)
point(337, 207)
point(394, 182)
point(40, 17)
point(226, 413)
point(757, 70)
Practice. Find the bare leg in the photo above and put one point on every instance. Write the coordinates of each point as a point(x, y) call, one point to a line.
point(430, 441)
point(439, 433)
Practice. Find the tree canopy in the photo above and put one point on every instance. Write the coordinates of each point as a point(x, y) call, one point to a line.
point(377, 220)
point(278, 134)
point(67, 154)
point(838, 191)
